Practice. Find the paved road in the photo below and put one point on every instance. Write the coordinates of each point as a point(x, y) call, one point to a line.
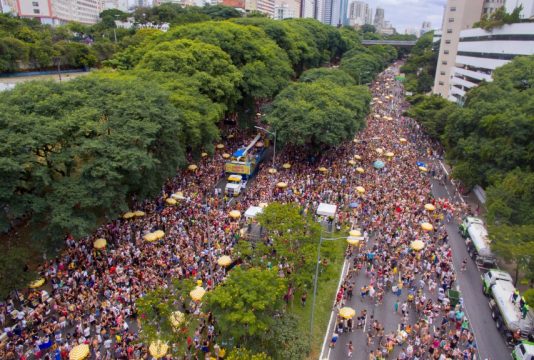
point(490, 342)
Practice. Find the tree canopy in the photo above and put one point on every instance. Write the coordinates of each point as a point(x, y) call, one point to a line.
point(420, 68)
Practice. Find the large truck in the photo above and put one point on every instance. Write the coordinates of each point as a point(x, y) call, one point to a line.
point(524, 351)
point(507, 313)
point(243, 164)
point(477, 242)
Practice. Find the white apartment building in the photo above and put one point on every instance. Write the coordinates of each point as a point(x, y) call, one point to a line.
point(528, 7)
point(491, 5)
point(480, 52)
point(307, 9)
point(121, 5)
point(57, 12)
point(266, 7)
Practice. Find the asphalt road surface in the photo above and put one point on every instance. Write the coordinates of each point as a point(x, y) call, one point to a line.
point(489, 340)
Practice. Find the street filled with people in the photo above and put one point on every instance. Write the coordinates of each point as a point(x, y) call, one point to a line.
point(380, 183)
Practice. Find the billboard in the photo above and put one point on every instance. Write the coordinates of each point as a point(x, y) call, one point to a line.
point(235, 167)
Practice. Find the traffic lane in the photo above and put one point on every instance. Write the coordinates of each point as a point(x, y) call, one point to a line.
point(490, 341)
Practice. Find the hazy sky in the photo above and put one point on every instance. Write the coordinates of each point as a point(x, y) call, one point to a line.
point(410, 13)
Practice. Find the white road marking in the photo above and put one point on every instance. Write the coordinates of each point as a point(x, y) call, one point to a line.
point(345, 263)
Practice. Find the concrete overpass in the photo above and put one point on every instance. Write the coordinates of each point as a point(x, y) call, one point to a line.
point(389, 42)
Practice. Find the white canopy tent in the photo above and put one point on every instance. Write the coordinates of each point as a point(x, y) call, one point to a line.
point(326, 210)
point(253, 211)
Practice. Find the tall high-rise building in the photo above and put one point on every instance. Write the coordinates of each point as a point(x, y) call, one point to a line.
point(326, 15)
point(379, 19)
point(121, 5)
point(459, 15)
point(359, 13)
point(266, 7)
point(339, 13)
point(286, 9)
point(528, 7)
point(490, 6)
point(56, 12)
point(307, 8)
point(9, 7)
point(425, 27)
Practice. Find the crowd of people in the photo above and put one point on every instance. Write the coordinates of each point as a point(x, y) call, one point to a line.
point(89, 296)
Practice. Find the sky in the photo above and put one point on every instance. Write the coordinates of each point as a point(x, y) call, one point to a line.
point(410, 13)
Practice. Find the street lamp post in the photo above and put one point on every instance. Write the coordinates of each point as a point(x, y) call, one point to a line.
point(274, 148)
point(321, 239)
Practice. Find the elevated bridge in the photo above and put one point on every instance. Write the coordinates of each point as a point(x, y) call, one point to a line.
point(408, 43)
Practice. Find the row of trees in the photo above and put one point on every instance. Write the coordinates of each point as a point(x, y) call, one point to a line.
point(248, 307)
point(420, 68)
point(489, 142)
point(27, 44)
point(75, 153)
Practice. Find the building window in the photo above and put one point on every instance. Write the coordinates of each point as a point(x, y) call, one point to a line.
point(453, 8)
point(449, 31)
point(444, 62)
point(35, 3)
point(446, 52)
point(36, 11)
point(447, 41)
point(451, 20)
point(441, 83)
point(442, 72)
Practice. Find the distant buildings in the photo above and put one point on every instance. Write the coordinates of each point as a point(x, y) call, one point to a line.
point(359, 14)
point(286, 9)
point(426, 26)
point(528, 7)
point(57, 12)
point(379, 19)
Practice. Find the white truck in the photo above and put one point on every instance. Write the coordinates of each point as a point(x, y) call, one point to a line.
point(234, 185)
point(507, 314)
point(524, 351)
point(477, 242)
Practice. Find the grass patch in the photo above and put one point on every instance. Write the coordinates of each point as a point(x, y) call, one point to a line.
point(326, 292)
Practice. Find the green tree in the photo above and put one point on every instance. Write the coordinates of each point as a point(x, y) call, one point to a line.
point(241, 353)
point(366, 28)
point(246, 304)
point(337, 76)
point(432, 112)
point(14, 271)
point(12, 51)
point(515, 244)
point(206, 64)
point(363, 68)
point(420, 68)
point(318, 114)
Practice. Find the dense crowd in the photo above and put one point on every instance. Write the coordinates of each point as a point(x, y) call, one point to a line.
point(90, 294)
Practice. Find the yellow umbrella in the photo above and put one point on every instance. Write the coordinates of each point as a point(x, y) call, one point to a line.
point(225, 155)
point(347, 312)
point(356, 233)
point(159, 234)
point(377, 116)
point(37, 283)
point(128, 215)
point(158, 349)
point(322, 169)
point(427, 226)
point(234, 214)
point(389, 118)
point(192, 167)
point(360, 170)
point(357, 157)
point(100, 244)
point(79, 352)
point(360, 189)
point(231, 136)
point(423, 169)
point(170, 201)
point(379, 150)
point(272, 171)
point(224, 260)
point(204, 154)
point(150, 237)
point(430, 207)
point(281, 185)
point(220, 146)
point(139, 213)
point(389, 154)
point(197, 293)
point(417, 245)
point(263, 205)
point(287, 166)
point(402, 140)
point(352, 162)
point(177, 318)
point(353, 240)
